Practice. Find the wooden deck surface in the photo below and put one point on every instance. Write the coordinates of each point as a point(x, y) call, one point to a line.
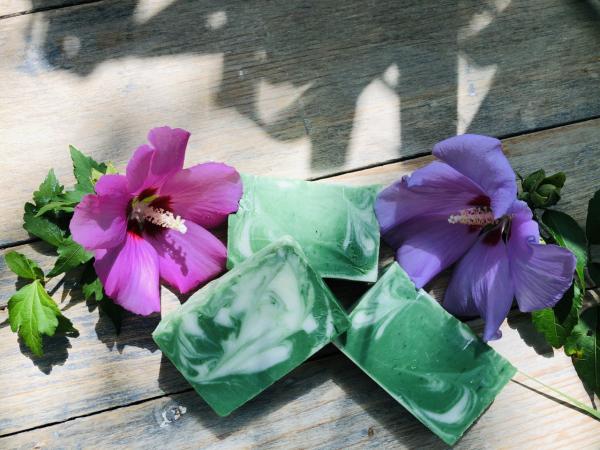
point(354, 92)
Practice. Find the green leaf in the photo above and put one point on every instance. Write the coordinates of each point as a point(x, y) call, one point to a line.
point(557, 323)
point(55, 206)
point(592, 225)
point(42, 227)
point(569, 235)
point(70, 256)
point(83, 167)
point(72, 197)
point(592, 230)
point(93, 289)
point(584, 348)
point(23, 266)
point(32, 313)
point(48, 190)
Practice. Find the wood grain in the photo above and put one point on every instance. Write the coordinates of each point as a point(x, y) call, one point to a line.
point(293, 89)
point(335, 405)
point(100, 370)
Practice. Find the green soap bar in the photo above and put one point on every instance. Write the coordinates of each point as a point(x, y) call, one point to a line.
point(430, 362)
point(335, 225)
point(242, 332)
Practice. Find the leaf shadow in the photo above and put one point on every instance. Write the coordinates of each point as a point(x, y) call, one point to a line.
point(530, 336)
point(56, 352)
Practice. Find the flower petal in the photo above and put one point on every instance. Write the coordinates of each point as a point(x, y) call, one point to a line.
point(481, 159)
point(100, 221)
point(205, 193)
point(428, 245)
point(541, 273)
point(129, 274)
point(481, 283)
point(436, 189)
point(186, 260)
point(112, 184)
point(152, 164)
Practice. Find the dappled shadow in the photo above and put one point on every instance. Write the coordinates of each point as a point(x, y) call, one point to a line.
point(320, 70)
point(55, 352)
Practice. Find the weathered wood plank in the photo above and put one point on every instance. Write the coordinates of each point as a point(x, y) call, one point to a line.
point(298, 90)
point(100, 370)
point(334, 405)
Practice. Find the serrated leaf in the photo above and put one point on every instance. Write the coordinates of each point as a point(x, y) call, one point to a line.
point(42, 227)
point(557, 323)
point(584, 348)
point(93, 289)
point(48, 190)
point(70, 256)
point(83, 167)
point(23, 266)
point(32, 313)
point(567, 233)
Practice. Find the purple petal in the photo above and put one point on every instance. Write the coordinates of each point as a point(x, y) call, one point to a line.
point(187, 260)
point(129, 274)
point(480, 158)
point(100, 221)
point(205, 193)
point(541, 273)
point(428, 245)
point(436, 190)
point(481, 284)
point(112, 185)
point(152, 164)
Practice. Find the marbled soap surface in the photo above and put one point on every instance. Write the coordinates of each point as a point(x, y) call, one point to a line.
point(430, 362)
point(335, 225)
point(245, 330)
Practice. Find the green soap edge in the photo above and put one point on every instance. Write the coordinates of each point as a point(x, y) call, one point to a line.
point(369, 276)
point(287, 241)
point(506, 374)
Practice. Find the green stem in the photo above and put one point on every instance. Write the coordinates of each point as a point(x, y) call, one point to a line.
point(573, 402)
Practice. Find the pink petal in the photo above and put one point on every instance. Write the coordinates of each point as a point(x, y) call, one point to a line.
point(428, 245)
point(100, 221)
point(481, 284)
point(129, 274)
point(541, 273)
point(152, 164)
point(481, 159)
point(436, 190)
point(187, 260)
point(205, 194)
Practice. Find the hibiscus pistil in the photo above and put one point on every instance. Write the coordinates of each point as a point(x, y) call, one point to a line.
point(142, 211)
point(478, 216)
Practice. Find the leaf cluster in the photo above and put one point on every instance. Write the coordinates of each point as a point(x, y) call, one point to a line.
point(32, 311)
point(569, 324)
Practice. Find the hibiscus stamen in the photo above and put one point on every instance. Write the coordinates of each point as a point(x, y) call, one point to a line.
point(158, 216)
point(479, 216)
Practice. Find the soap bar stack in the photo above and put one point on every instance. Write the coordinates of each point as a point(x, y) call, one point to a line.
point(335, 225)
point(245, 330)
point(430, 362)
point(242, 332)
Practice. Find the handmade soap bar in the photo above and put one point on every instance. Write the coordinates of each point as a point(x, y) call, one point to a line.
point(245, 330)
point(430, 362)
point(335, 225)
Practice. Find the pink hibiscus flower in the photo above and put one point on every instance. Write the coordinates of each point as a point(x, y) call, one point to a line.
point(153, 222)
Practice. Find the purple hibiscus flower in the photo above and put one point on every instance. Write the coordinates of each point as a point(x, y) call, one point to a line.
point(153, 222)
point(466, 204)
